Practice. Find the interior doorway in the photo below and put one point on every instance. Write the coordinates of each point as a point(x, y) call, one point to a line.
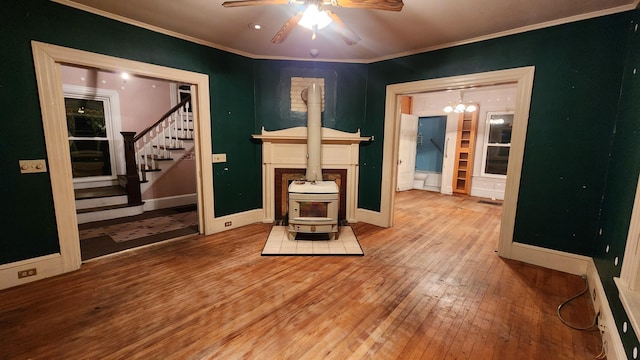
point(99, 105)
point(421, 148)
point(523, 80)
point(48, 60)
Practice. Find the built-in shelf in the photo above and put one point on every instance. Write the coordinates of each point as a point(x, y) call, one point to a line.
point(465, 143)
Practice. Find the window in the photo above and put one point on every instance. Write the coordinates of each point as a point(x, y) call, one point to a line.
point(497, 143)
point(88, 138)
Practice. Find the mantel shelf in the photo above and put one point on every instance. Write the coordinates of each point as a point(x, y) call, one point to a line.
point(299, 135)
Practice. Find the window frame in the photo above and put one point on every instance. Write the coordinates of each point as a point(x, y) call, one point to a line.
point(111, 102)
point(486, 144)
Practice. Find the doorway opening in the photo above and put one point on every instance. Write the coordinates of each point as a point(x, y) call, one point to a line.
point(48, 60)
point(523, 80)
point(99, 105)
point(421, 151)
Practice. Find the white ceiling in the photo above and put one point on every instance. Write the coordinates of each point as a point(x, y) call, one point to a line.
point(421, 25)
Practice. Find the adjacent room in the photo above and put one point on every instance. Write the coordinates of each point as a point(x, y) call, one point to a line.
point(302, 179)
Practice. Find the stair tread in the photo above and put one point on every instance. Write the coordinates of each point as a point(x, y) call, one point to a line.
point(99, 192)
point(158, 158)
point(168, 147)
point(102, 208)
point(181, 138)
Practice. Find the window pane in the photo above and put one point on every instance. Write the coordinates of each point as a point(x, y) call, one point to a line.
point(85, 118)
point(497, 160)
point(90, 158)
point(500, 129)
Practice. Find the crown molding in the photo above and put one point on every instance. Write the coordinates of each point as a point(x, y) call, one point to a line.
point(199, 41)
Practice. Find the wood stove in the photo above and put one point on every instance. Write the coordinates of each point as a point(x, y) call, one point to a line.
point(313, 208)
point(313, 203)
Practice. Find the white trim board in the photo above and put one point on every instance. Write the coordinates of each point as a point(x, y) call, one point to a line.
point(46, 266)
point(608, 329)
point(170, 201)
point(237, 220)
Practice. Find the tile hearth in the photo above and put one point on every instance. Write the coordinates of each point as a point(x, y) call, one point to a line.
point(278, 243)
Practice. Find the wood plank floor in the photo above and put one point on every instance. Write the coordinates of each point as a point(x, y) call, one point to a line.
point(431, 287)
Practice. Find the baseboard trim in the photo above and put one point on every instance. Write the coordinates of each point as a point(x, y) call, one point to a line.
point(371, 217)
point(46, 266)
point(170, 201)
point(610, 336)
point(577, 265)
point(237, 220)
point(548, 258)
point(486, 193)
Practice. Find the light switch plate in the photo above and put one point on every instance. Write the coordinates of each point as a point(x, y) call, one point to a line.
point(32, 166)
point(219, 158)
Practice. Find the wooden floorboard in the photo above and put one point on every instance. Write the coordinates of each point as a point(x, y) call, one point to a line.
point(431, 287)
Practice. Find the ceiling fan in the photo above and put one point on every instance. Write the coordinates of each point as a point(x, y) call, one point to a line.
point(315, 17)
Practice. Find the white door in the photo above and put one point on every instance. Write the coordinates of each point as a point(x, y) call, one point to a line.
point(407, 151)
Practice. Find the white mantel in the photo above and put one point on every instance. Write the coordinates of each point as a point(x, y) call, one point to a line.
point(287, 149)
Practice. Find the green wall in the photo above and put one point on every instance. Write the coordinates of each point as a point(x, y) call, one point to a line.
point(574, 122)
point(29, 228)
point(573, 106)
point(345, 94)
point(622, 178)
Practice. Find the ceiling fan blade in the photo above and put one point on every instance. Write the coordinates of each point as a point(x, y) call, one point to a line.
point(347, 34)
point(254, 2)
point(286, 29)
point(391, 5)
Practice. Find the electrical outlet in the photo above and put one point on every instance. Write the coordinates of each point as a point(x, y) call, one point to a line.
point(227, 224)
point(27, 273)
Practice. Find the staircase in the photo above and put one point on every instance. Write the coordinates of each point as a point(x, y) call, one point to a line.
point(157, 148)
point(103, 203)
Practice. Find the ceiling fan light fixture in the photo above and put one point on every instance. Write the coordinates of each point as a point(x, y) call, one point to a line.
point(314, 18)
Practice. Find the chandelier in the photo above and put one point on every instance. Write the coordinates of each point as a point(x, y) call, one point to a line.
point(460, 108)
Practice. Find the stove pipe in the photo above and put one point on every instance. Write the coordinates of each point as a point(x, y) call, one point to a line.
point(314, 135)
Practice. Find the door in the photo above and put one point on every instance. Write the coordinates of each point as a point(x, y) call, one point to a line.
point(407, 151)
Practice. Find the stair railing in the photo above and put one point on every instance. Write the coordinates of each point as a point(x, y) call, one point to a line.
point(143, 151)
point(156, 142)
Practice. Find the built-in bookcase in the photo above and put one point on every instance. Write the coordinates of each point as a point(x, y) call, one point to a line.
point(465, 145)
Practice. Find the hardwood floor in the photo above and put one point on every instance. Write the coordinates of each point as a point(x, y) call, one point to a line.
point(431, 287)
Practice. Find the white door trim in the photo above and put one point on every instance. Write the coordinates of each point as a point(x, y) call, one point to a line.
point(47, 60)
point(523, 77)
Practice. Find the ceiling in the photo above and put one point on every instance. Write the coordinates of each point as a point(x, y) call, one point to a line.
point(422, 25)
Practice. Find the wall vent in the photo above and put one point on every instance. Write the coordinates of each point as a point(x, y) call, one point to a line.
point(297, 85)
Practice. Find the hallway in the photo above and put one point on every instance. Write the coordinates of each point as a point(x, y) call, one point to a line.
point(110, 236)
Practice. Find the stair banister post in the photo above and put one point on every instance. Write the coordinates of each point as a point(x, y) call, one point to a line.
point(134, 196)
